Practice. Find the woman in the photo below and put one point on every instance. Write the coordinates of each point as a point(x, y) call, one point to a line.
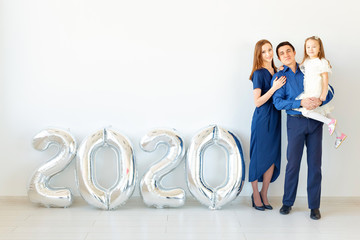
point(265, 143)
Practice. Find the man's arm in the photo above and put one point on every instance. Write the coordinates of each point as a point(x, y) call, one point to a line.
point(280, 101)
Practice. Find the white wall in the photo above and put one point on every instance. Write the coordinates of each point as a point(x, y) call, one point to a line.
point(139, 65)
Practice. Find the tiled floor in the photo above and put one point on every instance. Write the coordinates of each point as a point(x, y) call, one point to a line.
point(20, 219)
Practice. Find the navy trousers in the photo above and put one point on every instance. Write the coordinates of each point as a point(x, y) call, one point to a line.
point(303, 131)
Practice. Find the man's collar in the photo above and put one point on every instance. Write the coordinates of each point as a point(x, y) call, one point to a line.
point(286, 68)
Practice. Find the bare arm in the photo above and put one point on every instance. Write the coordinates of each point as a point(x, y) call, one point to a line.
point(260, 100)
point(312, 103)
point(324, 85)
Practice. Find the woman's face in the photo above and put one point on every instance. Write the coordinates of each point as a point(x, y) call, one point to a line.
point(267, 53)
point(312, 48)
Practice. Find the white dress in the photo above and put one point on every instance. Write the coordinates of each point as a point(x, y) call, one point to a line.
point(312, 69)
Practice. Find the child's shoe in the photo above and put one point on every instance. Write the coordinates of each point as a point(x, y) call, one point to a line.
point(339, 140)
point(331, 126)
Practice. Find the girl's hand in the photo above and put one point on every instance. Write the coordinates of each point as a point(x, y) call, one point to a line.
point(281, 68)
point(279, 82)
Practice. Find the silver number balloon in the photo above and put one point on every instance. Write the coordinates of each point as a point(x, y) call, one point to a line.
point(88, 187)
point(150, 186)
point(230, 189)
point(39, 190)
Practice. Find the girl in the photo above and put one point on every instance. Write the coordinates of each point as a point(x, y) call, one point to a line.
point(265, 143)
point(316, 68)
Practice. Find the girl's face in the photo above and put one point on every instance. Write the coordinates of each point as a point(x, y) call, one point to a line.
point(267, 53)
point(312, 48)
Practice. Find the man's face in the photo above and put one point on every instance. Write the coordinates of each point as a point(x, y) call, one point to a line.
point(286, 55)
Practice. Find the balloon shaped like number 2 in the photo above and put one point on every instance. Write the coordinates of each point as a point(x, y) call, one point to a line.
point(150, 189)
point(38, 190)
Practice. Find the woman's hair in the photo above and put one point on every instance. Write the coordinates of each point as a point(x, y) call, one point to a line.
point(258, 61)
point(321, 49)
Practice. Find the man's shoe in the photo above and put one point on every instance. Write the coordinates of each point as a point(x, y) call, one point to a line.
point(315, 214)
point(285, 209)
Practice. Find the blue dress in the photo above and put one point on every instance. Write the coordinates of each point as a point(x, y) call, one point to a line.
point(265, 141)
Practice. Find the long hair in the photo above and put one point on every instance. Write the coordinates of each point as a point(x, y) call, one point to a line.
point(258, 61)
point(321, 53)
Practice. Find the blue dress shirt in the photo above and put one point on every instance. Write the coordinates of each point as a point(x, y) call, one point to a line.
point(285, 97)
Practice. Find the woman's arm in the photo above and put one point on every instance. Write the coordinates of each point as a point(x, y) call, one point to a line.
point(260, 100)
point(324, 85)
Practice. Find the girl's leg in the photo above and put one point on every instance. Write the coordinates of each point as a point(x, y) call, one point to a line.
point(266, 182)
point(256, 194)
point(336, 131)
point(340, 136)
point(321, 118)
point(317, 116)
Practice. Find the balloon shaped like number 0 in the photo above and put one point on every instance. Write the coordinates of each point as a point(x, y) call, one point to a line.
point(122, 190)
point(230, 189)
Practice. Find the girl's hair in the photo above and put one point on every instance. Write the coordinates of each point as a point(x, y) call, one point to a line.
point(258, 61)
point(321, 49)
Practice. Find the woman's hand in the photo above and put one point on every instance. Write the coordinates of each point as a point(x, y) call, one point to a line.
point(279, 82)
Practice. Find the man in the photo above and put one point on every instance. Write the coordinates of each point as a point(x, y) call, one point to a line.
point(300, 131)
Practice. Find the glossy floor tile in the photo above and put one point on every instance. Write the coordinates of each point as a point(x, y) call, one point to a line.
point(20, 219)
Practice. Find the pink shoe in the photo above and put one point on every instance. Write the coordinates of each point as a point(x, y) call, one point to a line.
point(332, 126)
point(339, 140)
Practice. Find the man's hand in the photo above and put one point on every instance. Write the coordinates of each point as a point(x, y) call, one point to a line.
point(310, 103)
point(317, 101)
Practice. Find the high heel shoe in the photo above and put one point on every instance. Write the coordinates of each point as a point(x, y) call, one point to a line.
point(269, 207)
point(260, 208)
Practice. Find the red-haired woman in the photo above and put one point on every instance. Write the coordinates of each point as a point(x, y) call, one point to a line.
point(265, 143)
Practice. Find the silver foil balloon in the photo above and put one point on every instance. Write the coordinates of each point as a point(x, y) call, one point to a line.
point(38, 189)
point(150, 186)
point(235, 170)
point(88, 187)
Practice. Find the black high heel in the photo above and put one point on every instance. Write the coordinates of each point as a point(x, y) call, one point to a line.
point(260, 208)
point(269, 207)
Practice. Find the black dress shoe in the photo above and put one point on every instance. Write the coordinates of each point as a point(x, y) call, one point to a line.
point(285, 209)
point(260, 208)
point(268, 207)
point(315, 214)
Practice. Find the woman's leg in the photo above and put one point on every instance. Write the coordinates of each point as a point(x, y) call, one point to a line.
point(256, 194)
point(266, 182)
